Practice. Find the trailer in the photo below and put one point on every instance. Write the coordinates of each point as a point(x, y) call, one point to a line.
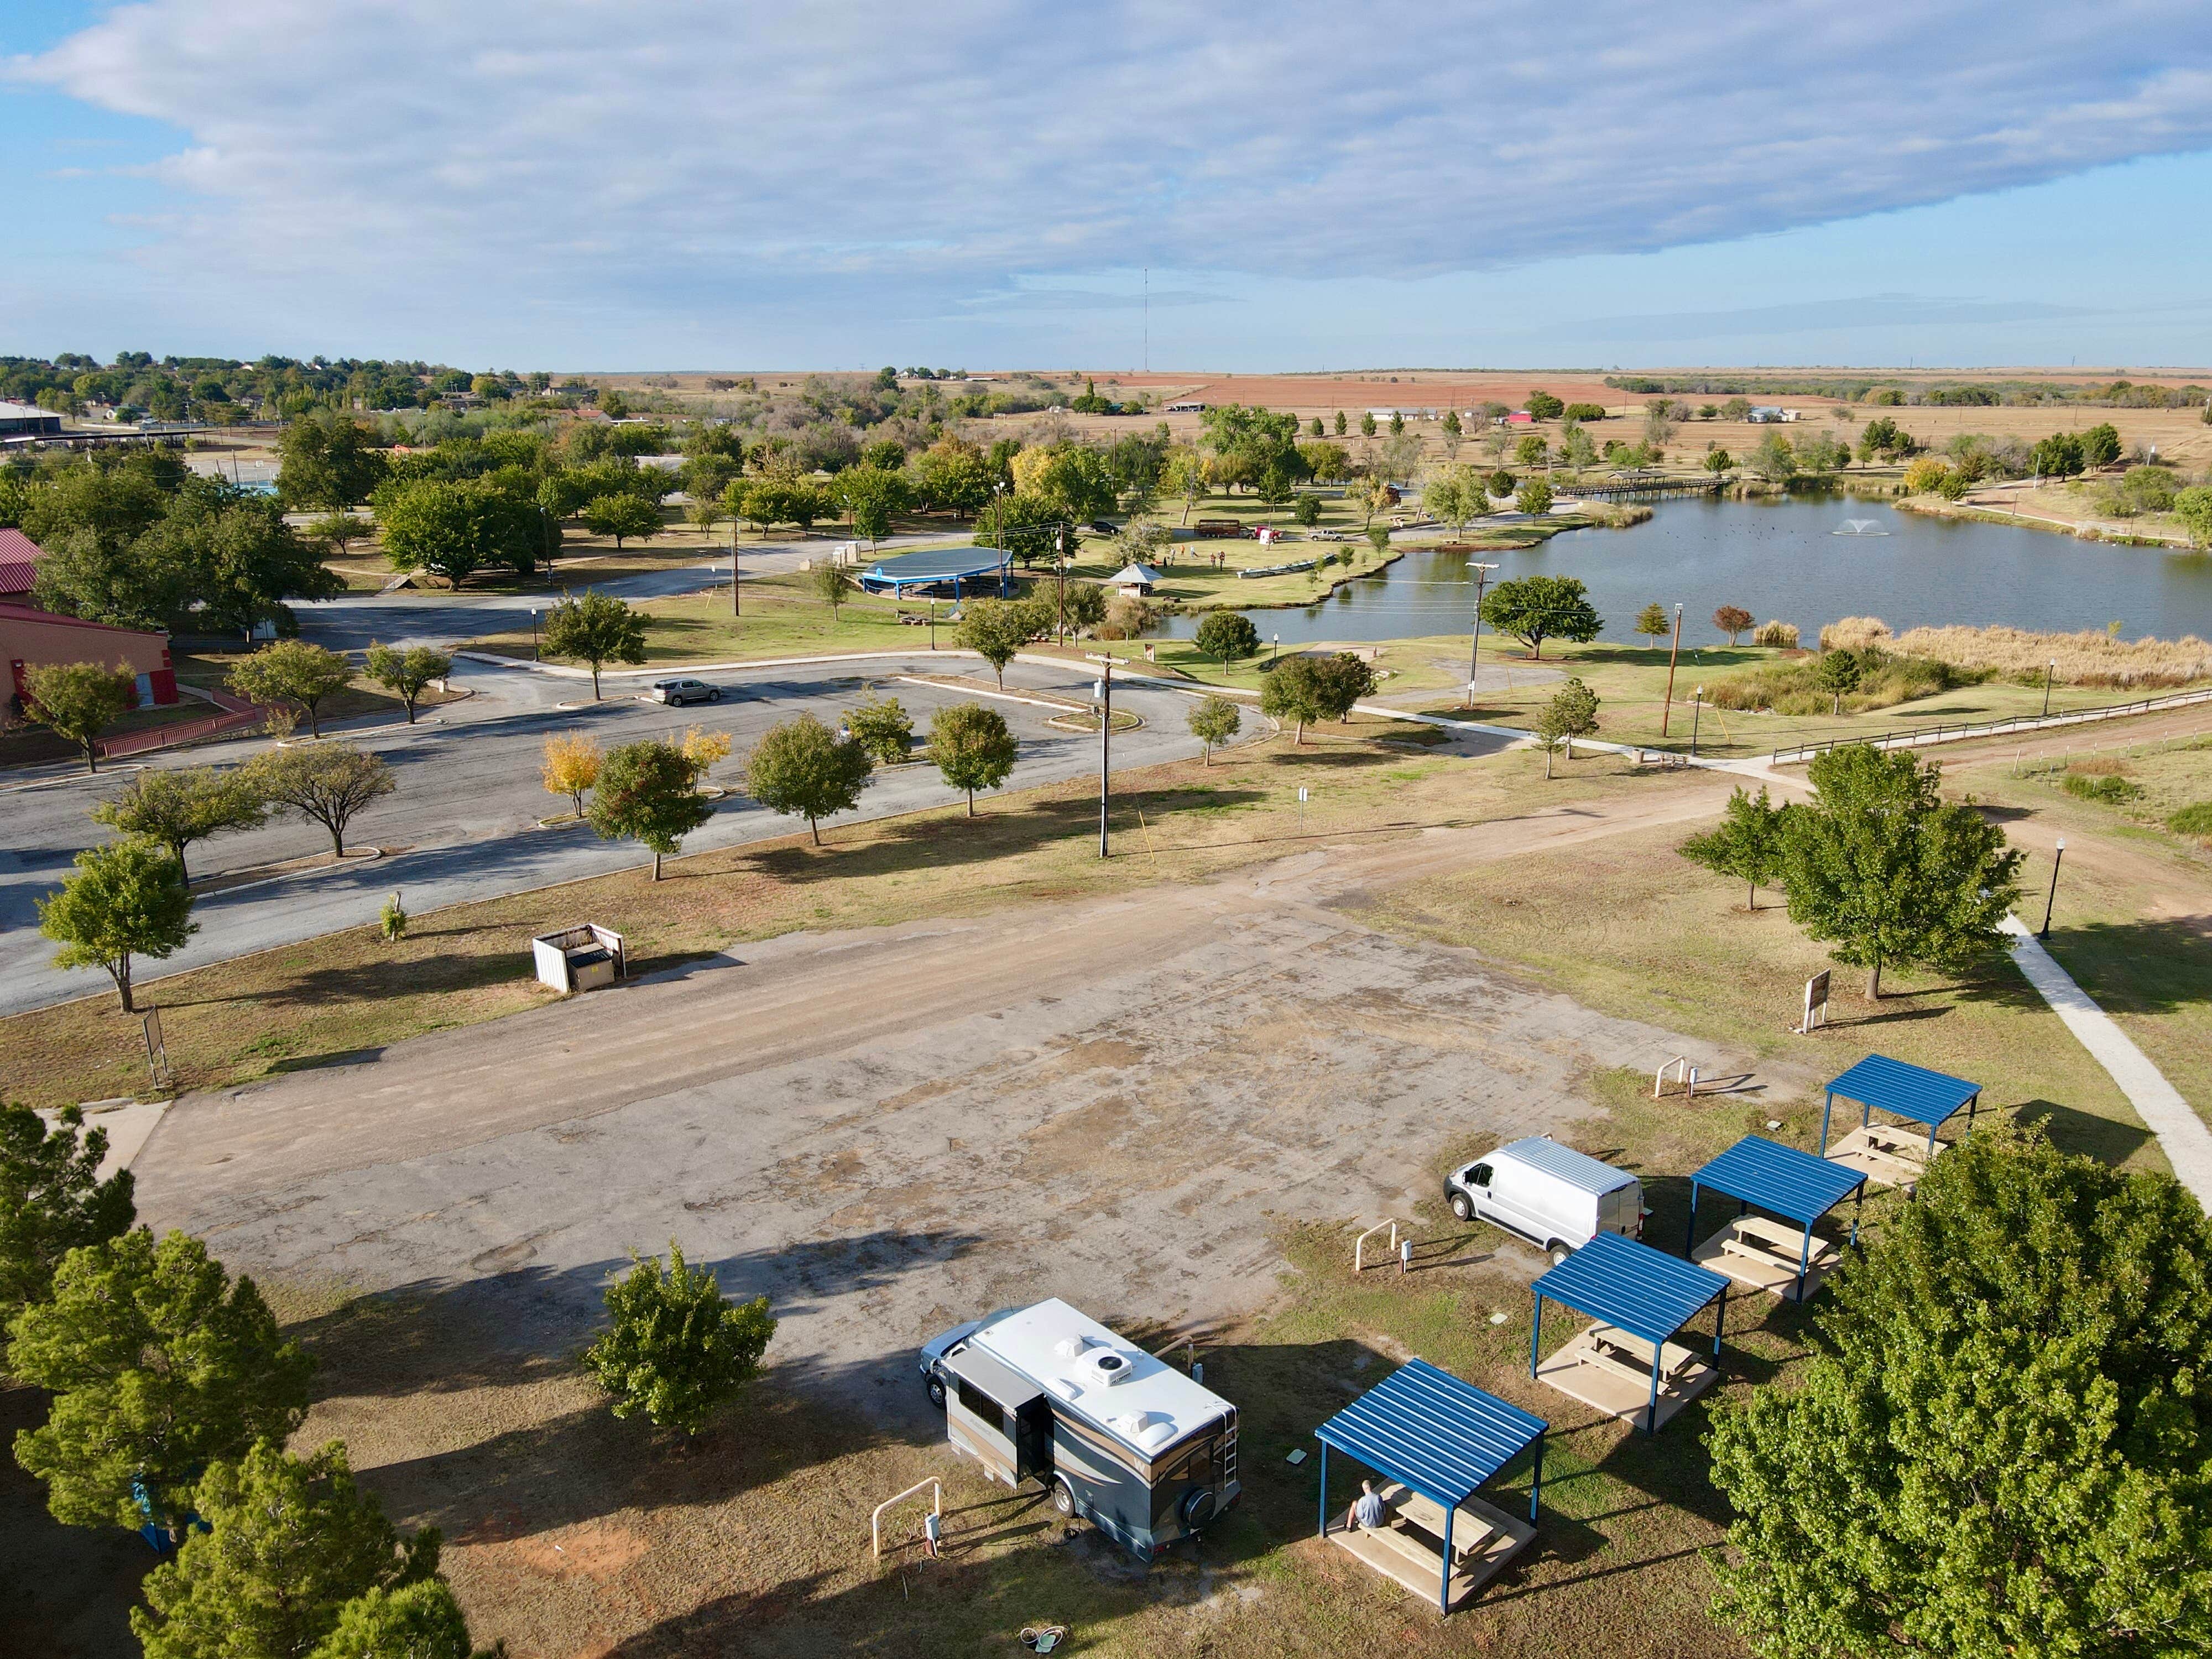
point(1144, 1453)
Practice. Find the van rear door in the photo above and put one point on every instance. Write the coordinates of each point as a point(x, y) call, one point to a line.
point(1621, 1210)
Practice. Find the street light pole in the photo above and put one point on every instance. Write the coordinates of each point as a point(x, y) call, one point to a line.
point(533, 633)
point(1105, 739)
point(1697, 713)
point(733, 567)
point(1667, 713)
point(1474, 655)
point(2049, 674)
point(2050, 899)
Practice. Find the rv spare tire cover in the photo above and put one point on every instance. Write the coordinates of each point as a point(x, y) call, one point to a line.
point(1197, 1506)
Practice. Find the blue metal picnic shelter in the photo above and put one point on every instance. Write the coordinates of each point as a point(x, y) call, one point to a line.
point(1782, 1181)
point(1436, 1435)
point(1912, 1092)
point(1644, 1291)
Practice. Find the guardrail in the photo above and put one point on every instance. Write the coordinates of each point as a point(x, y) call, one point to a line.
point(1923, 736)
point(163, 736)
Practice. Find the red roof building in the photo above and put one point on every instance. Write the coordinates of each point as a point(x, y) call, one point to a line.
point(30, 637)
point(18, 554)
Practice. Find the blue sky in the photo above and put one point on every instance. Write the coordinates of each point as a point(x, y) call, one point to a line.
point(579, 183)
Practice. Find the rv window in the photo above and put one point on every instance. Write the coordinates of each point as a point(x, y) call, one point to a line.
point(975, 1401)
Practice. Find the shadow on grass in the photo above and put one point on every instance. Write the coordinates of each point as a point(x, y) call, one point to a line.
point(2072, 1131)
point(2146, 967)
point(66, 1591)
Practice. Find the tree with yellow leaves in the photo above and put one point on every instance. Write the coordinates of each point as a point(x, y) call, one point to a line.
point(704, 748)
point(572, 766)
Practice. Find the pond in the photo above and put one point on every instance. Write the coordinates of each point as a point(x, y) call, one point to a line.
point(1787, 559)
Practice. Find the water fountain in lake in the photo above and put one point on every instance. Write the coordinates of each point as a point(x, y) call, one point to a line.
point(1858, 528)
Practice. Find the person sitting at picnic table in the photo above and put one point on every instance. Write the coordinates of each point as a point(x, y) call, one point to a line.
point(1367, 1512)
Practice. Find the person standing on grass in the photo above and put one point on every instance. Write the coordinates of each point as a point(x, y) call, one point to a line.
point(1367, 1512)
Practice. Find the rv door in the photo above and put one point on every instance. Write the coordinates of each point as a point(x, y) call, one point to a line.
point(1033, 1440)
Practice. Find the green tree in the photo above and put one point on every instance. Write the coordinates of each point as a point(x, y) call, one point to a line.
point(1732, 620)
point(51, 1201)
point(1718, 460)
point(1653, 622)
point(407, 674)
point(973, 748)
point(1228, 637)
point(292, 671)
point(801, 768)
point(830, 585)
point(1837, 672)
point(595, 629)
point(234, 557)
point(159, 1363)
point(327, 463)
point(78, 700)
point(625, 518)
point(1367, 424)
point(2193, 506)
point(872, 495)
point(290, 1543)
point(2100, 445)
point(127, 899)
point(1307, 512)
point(418, 1621)
point(1747, 844)
point(995, 629)
point(1291, 692)
point(1499, 484)
point(1997, 1446)
point(1571, 712)
point(1340, 423)
point(676, 1348)
point(1879, 863)
point(649, 792)
point(177, 808)
point(1534, 608)
point(452, 528)
point(1545, 407)
point(1213, 721)
point(1342, 679)
point(1533, 497)
point(882, 726)
point(327, 783)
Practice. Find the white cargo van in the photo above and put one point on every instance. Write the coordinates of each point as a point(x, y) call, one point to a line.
point(1551, 1195)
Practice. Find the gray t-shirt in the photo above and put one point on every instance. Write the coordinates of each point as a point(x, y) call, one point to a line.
point(1368, 1511)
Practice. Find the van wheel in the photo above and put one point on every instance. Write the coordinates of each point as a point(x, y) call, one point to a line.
point(1063, 1496)
point(1557, 1252)
point(936, 1388)
point(1461, 1209)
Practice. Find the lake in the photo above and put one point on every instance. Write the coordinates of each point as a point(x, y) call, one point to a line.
point(1783, 559)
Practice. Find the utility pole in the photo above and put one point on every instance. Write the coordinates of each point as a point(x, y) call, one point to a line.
point(1474, 656)
point(1105, 689)
point(733, 567)
point(1667, 714)
point(1059, 564)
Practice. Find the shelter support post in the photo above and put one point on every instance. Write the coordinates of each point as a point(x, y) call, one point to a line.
point(1444, 1587)
point(1691, 1243)
point(1720, 1321)
point(1536, 1484)
point(1804, 1260)
point(1824, 1113)
point(1858, 1209)
point(1536, 1334)
point(1658, 1356)
point(1324, 1489)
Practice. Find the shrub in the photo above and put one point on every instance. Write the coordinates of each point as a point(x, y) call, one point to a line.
point(1778, 633)
point(2093, 657)
point(2192, 820)
point(2110, 789)
point(1794, 687)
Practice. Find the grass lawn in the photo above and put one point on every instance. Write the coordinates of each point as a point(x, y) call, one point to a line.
point(208, 668)
point(2133, 918)
point(306, 1004)
point(1630, 928)
point(781, 618)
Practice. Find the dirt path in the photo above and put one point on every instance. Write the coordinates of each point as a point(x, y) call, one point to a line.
point(1115, 1101)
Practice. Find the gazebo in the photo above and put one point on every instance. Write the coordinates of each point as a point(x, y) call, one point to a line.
point(1436, 1439)
point(1786, 1182)
point(1912, 1092)
point(1638, 1298)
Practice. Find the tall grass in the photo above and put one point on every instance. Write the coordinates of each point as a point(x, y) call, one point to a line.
point(1884, 679)
point(2085, 659)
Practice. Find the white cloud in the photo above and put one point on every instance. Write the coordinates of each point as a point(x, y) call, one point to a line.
point(679, 157)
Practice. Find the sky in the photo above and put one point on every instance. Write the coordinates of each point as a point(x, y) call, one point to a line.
point(582, 185)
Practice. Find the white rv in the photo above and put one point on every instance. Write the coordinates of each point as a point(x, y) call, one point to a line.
point(1143, 1452)
point(1552, 1195)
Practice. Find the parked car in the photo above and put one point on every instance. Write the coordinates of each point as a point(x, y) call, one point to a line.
point(1105, 527)
point(677, 693)
point(1554, 1196)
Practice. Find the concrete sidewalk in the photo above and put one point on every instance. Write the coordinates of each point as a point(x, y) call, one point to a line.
point(2181, 1133)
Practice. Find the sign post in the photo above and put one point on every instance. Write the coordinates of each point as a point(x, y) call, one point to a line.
point(157, 1051)
point(1816, 1002)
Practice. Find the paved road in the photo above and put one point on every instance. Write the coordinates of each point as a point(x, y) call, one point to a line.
point(470, 797)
